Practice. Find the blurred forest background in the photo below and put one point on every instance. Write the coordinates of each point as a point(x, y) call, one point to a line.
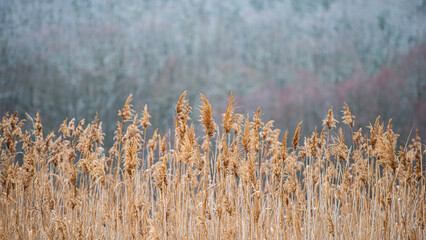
point(293, 58)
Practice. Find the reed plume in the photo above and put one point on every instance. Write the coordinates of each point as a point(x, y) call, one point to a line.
point(246, 185)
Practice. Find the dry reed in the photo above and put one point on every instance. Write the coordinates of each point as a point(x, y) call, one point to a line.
point(239, 182)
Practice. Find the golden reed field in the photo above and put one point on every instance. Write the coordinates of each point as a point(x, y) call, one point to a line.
point(239, 179)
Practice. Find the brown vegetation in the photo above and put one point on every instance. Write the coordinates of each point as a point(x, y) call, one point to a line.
point(240, 183)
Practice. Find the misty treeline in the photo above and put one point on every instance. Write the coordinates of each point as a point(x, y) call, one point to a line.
point(293, 58)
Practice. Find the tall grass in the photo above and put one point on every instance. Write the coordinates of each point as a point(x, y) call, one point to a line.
point(240, 181)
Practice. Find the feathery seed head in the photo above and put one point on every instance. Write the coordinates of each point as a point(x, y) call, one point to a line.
point(347, 117)
point(127, 112)
point(296, 136)
point(229, 117)
point(330, 122)
point(206, 117)
point(145, 117)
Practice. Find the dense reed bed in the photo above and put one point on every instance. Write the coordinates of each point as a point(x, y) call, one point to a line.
point(241, 180)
